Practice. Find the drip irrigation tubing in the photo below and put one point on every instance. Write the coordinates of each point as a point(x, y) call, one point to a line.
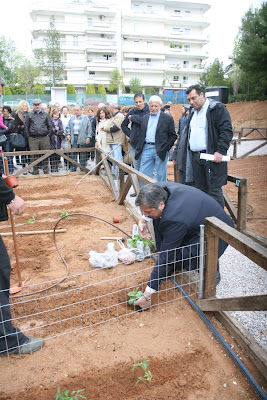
point(62, 258)
point(220, 338)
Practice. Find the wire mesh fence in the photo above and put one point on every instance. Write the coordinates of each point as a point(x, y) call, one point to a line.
point(89, 299)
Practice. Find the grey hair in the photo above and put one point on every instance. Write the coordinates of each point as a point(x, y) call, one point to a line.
point(151, 195)
point(155, 98)
point(114, 106)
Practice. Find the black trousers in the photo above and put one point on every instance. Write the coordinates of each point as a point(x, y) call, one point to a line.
point(202, 176)
point(10, 337)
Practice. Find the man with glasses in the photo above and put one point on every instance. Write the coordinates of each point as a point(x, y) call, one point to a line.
point(38, 128)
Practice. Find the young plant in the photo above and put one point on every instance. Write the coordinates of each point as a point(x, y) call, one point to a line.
point(64, 213)
point(138, 238)
point(134, 296)
point(31, 220)
point(74, 395)
point(147, 374)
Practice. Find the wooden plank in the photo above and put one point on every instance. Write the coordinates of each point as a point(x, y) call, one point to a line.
point(124, 189)
point(212, 240)
point(34, 232)
point(245, 340)
point(242, 205)
point(251, 151)
point(110, 179)
point(135, 182)
point(254, 251)
point(259, 239)
point(246, 303)
point(230, 205)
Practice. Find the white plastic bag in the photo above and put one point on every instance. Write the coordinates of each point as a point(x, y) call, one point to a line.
point(108, 259)
point(125, 255)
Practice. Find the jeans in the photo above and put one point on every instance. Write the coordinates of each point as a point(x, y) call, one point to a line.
point(116, 154)
point(83, 157)
point(8, 148)
point(10, 337)
point(150, 161)
point(136, 163)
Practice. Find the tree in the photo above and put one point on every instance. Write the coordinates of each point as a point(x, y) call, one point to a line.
point(49, 59)
point(101, 89)
point(90, 89)
point(149, 90)
point(10, 59)
point(213, 75)
point(71, 89)
point(6, 90)
point(250, 52)
point(116, 81)
point(135, 85)
point(26, 75)
point(38, 89)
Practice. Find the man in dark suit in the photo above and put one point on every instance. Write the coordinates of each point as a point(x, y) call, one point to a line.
point(177, 211)
point(156, 138)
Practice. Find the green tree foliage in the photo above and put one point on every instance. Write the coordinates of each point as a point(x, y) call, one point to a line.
point(71, 89)
point(26, 75)
point(135, 85)
point(101, 89)
point(90, 89)
point(116, 81)
point(149, 90)
point(10, 59)
point(49, 59)
point(38, 89)
point(213, 75)
point(250, 52)
point(6, 90)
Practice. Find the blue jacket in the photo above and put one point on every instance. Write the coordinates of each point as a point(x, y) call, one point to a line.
point(136, 120)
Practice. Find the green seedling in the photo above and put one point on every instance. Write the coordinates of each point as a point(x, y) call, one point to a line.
point(31, 220)
point(74, 395)
point(147, 374)
point(134, 296)
point(138, 238)
point(64, 213)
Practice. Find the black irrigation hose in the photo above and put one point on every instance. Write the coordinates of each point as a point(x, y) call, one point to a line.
point(62, 258)
point(226, 346)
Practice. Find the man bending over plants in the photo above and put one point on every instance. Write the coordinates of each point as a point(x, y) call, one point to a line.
point(177, 211)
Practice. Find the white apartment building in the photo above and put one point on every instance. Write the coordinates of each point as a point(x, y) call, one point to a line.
point(158, 41)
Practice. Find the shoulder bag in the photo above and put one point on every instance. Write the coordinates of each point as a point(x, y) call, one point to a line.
point(17, 140)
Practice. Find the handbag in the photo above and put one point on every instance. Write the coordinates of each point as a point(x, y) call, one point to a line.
point(18, 141)
point(3, 140)
point(128, 159)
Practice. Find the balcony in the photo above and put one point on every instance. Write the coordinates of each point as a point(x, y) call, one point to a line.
point(143, 66)
point(97, 44)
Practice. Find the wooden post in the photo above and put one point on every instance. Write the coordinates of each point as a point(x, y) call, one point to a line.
point(211, 263)
point(242, 204)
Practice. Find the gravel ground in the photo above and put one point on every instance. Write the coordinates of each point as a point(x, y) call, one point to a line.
point(242, 277)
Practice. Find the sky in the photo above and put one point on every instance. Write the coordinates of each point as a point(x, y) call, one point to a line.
point(225, 19)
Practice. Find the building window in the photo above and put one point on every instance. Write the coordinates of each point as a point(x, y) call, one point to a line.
point(187, 12)
point(149, 8)
point(176, 78)
point(186, 64)
point(185, 79)
point(148, 61)
point(175, 29)
point(187, 31)
point(107, 56)
point(89, 21)
point(187, 48)
point(75, 40)
point(91, 74)
point(177, 11)
point(136, 60)
point(135, 6)
point(149, 44)
point(136, 42)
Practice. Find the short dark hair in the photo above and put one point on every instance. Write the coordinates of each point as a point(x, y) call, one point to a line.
point(197, 88)
point(8, 108)
point(139, 94)
point(151, 195)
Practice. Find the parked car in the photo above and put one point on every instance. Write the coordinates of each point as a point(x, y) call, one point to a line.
point(94, 101)
point(11, 103)
point(71, 103)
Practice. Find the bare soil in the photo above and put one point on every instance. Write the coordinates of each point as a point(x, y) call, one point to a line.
point(185, 359)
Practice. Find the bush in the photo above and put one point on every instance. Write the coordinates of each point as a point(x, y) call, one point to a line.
point(90, 89)
point(38, 89)
point(246, 97)
point(71, 89)
point(6, 90)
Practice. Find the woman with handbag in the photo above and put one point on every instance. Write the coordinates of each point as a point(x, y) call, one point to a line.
point(19, 140)
point(6, 144)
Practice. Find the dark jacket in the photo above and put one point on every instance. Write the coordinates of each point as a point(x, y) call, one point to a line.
point(38, 124)
point(56, 136)
point(219, 136)
point(185, 210)
point(136, 120)
point(6, 195)
point(19, 121)
point(9, 123)
point(165, 135)
point(93, 123)
point(182, 123)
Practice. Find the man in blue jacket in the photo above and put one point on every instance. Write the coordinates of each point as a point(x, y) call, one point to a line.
point(177, 211)
point(209, 130)
point(132, 123)
point(12, 340)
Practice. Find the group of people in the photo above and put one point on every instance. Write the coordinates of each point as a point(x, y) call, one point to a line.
point(176, 209)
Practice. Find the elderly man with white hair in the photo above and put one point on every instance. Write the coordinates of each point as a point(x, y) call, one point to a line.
point(156, 138)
